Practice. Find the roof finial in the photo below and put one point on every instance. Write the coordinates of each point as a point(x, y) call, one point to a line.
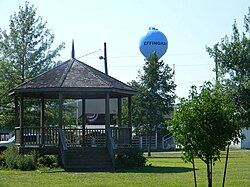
point(73, 50)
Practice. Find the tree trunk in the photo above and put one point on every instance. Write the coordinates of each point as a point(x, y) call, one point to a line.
point(211, 171)
point(225, 168)
point(209, 181)
point(22, 74)
point(149, 145)
point(195, 182)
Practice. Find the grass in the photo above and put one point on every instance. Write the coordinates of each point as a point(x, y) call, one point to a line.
point(167, 169)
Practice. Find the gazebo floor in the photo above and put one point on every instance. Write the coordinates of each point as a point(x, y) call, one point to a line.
point(44, 150)
point(54, 150)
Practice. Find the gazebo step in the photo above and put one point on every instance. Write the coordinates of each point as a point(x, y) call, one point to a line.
point(87, 159)
point(92, 169)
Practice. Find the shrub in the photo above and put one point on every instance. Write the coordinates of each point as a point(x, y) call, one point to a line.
point(14, 160)
point(131, 158)
point(48, 161)
point(26, 162)
point(2, 160)
point(11, 157)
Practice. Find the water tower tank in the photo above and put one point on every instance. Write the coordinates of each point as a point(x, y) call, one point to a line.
point(153, 41)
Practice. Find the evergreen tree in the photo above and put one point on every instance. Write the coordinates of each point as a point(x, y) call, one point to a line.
point(155, 93)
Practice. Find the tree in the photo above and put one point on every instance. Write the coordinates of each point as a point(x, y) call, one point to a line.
point(232, 56)
point(205, 123)
point(155, 92)
point(25, 52)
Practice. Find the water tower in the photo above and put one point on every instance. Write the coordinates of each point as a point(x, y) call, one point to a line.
point(153, 42)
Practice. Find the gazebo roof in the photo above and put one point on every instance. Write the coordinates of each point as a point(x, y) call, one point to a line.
point(74, 79)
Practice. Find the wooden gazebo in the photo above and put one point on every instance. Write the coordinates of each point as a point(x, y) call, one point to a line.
point(74, 79)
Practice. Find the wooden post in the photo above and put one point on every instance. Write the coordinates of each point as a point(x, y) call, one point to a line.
point(105, 58)
point(16, 112)
point(42, 107)
point(225, 168)
point(83, 121)
point(60, 112)
point(21, 108)
point(130, 119)
point(119, 111)
point(107, 114)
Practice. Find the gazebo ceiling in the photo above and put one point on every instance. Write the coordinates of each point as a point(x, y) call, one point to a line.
point(73, 79)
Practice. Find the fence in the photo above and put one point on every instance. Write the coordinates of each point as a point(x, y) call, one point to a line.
point(157, 142)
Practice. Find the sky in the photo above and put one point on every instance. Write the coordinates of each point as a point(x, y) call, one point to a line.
point(189, 25)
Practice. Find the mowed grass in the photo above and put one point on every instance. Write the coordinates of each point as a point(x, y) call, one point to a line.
point(167, 169)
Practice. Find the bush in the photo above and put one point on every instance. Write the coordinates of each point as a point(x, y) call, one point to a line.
point(48, 161)
point(2, 160)
point(11, 157)
point(14, 160)
point(131, 158)
point(26, 162)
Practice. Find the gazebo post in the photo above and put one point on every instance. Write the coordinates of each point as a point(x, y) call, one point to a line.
point(16, 112)
point(119, 111)
point(21, 108)
point(83, 121)
point(42, 107)
point(130, 119)
point(107, 115)
point(60, 112)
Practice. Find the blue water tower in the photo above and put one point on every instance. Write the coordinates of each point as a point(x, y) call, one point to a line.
point(153, 42)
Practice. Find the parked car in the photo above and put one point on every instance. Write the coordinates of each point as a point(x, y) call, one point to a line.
point(5, 144)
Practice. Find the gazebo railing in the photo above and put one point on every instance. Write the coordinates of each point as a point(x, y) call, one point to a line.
point(121, 136)
point(37, 136)
point(92, 138)
point(49, 136)
point(95, 137)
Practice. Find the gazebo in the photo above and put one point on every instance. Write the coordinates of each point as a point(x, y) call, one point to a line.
point(74, 79)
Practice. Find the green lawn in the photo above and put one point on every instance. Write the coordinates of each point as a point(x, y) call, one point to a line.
point(167, 170)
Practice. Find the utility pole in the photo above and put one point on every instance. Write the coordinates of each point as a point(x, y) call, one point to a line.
point(105, 58)
point(174, 72)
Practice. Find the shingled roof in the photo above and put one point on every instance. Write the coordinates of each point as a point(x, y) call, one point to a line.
point(73, 76)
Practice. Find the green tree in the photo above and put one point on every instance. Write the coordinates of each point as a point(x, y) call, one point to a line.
point(204, 124)
point(232, 58)
point(25, 52)
point(155, 93)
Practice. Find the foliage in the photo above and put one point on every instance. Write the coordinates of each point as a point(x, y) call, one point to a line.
point(26, 162)
point(14, 160)
point(205, 122)
point(131, 158)
point(24, 53)
point(155, 92)
point(47, 161)
point(28, 45)
point(232, 55)
point(11, 157)
point(2, 160)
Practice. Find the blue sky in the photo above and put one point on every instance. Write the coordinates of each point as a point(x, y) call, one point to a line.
point(189, 25)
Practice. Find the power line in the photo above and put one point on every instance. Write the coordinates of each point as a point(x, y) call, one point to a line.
point(171, 54)
point(189, 82)
point(181, 65)
point(90, 53)
point(140, 56)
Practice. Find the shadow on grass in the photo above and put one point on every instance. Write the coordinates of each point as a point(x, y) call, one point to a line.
point(156, 169)
point(168, 157)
